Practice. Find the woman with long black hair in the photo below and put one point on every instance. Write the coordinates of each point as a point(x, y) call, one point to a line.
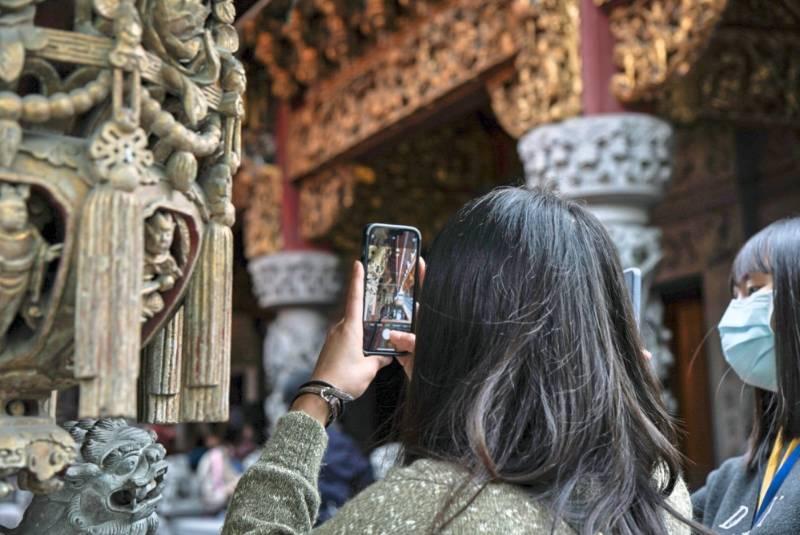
point(759, 492)
point(530, 406)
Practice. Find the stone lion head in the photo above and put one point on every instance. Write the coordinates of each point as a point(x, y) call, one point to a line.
point(113, 487)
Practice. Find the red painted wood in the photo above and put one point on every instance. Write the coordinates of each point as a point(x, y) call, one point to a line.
point(290, 216)
point(597, 49)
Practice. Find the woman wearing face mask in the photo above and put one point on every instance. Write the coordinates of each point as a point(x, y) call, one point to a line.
point(530, 407)
point(759, 493)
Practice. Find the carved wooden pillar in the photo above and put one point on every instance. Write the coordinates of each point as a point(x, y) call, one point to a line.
point(119, 135)
point(618, 164)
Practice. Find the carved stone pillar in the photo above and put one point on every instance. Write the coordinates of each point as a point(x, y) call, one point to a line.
point(301, 285)
point(618, 164)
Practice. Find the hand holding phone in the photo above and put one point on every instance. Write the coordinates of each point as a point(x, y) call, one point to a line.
point(391, 261)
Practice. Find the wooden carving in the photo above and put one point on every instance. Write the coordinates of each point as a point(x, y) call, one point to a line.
point(410, 182)
point(658, 41)
point(24, 257)
point(115, 208)
point(426, 50)
point(262, 215)
point(748, 73)
point(545, 84)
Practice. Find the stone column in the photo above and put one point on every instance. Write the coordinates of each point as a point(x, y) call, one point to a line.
point(618, 165)
point(301, 286)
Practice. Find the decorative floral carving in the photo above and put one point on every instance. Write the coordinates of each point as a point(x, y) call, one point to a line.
point(295, 278)
point(10, 139)
point(618, 165)
point(427, 60)
point(131, 101)
point(750, 71)
point(323, 197)
point(545, 85)
point(658, 41)
point(262, 217)
point(411, 182)
point(626, 154)
point(122, 157)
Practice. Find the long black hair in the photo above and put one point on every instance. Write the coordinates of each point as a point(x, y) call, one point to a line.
point(529, 368)
point(776, 250)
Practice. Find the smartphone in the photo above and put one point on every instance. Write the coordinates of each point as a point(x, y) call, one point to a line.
point(633, 280)
point(391, 262)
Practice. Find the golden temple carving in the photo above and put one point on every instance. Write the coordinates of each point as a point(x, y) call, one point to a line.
point(411, 182)
point(262, 215)
point(657, 41)
point(749, 73)
point(119, 134)
point(371, 67)
point(546, 82)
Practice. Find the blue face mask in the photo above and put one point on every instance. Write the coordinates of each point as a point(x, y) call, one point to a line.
point(748, 341)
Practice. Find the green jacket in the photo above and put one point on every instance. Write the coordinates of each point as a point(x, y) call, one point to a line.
point(279, 495)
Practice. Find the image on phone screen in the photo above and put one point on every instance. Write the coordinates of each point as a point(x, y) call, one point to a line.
point(389, 293)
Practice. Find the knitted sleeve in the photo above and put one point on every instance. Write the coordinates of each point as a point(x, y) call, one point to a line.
point(278, 494)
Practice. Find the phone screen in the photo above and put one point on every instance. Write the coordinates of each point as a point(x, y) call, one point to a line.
point(391, 255)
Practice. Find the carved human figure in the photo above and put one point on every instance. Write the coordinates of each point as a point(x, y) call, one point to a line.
point(178, 27)
point(218, 187)
point(161, 270)
point(24, 256)
point(112, 488)
point(176, 31)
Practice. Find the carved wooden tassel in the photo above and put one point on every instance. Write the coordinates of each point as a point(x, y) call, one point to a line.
point(207, 329)
point(108, 302)
point(159, 400)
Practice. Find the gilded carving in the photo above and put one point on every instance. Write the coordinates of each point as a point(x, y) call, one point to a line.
point(658, 41)
point(545, 85)
point(322, 197)
point(423, 63)
point(411, 182)
point(262, 216)
point(24, 257)
point(750, 71)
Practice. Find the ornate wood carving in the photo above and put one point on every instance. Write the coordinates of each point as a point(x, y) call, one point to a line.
point(262, 215)
point(355, 84)
point(439, 54)
point(303, 42)
point(118, 140)
point(750, 72)
point(658, 40)
point(411, 182)
point(546, 82)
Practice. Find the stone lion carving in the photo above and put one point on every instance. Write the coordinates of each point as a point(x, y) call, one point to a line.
point(112, 488)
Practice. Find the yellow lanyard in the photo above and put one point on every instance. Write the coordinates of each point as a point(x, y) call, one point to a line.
point(772, 465)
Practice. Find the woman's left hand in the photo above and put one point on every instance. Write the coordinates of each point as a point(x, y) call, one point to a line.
point(342, 362)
